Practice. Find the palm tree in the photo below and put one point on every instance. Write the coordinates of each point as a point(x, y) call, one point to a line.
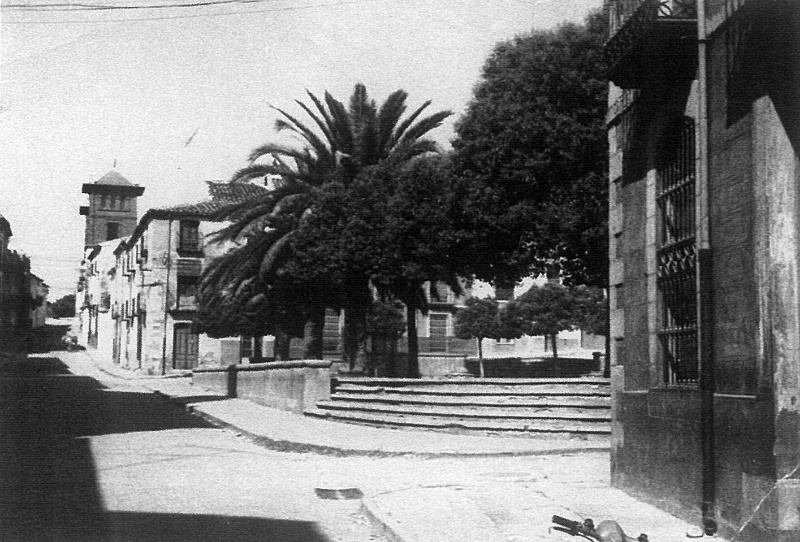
point(340, 142)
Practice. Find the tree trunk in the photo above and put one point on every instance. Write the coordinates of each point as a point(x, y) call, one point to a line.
point(480, 357)
point(413, 341)
point(258, 348)
point(353, 334)
point(553, 338)
point(312, 335)
point(283, 342)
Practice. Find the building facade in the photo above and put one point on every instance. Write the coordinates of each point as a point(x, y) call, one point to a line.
point(111, 212)
point(39, 291)
point(157, 270)
point(704, 113)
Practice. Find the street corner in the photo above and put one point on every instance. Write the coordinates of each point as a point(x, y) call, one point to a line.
point(436, 514)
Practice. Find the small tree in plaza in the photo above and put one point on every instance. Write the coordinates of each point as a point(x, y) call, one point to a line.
point(552, 308)
point(480, 319)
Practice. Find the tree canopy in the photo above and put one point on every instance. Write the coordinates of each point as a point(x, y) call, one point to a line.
point(552, 308)
point(531, 150)
point(338, 143)
point(393, 226)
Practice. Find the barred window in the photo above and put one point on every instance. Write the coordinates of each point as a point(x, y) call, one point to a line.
point(189, 236)
point(677, 254)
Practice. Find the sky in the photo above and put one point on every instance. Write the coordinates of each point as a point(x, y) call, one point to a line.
point(173, 97)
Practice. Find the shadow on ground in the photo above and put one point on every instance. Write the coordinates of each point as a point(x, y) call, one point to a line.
point(48, 482)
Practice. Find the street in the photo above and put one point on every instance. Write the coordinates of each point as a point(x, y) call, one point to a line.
point(89, 456)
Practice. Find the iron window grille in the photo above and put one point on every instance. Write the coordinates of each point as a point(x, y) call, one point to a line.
point(677, 255)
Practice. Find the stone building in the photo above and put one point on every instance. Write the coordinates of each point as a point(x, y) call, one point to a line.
point(703, 123)
point(156, 276)
point(111, 212)
point(39, 290)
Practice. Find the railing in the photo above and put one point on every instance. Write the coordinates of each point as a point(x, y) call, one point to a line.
point(620, 11)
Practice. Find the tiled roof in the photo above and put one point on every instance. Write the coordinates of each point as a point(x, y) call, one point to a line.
point(222, 195)
point(233, 191)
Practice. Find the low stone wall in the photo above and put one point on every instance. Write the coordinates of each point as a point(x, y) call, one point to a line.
point(535, 368)
point(287, 385)
point(442, 364)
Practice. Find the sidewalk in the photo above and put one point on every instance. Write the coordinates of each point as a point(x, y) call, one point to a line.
point(495, 511)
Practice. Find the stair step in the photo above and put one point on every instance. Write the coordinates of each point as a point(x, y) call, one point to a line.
point(519, 427)
point(470, 382)
point(513, 401)
point(488, 413)
point(555, 390)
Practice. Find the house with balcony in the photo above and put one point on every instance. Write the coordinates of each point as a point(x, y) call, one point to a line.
point(157, 270)
point(704, 146)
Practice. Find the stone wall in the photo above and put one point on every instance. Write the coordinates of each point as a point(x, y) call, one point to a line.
point(286, 385)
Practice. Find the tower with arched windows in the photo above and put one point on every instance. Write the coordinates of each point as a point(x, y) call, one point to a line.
point(111, 212)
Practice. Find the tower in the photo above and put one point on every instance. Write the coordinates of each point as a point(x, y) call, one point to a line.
point(111, 212)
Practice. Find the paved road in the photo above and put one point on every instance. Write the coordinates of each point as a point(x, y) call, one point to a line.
point(85, 456)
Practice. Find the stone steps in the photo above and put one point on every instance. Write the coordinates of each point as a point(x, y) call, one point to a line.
point(529, 407)
point(460, 425)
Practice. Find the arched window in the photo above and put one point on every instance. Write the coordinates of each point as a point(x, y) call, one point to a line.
point(677, 252)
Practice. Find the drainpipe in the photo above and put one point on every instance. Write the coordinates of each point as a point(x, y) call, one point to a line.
point(705, 285)
point(168, 263)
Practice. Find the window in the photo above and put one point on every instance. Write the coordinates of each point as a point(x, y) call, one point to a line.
point(677, 254)
point(112, 231)
point(187, 293)
point(189, 236)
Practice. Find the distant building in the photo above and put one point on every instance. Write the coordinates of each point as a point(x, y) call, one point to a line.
point(39, 291)
point(156, 270)
point(704, 135)
point(111, 212)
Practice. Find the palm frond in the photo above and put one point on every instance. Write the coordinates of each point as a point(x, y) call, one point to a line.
point(360, 104)
point(271, 149)
point(389, 115)
point(274, 252)
point(320, 122)
point(401, 129)
point(343, 131)
point(313, 140)
point(424, 126)
point(325, 115)
point(403, 152)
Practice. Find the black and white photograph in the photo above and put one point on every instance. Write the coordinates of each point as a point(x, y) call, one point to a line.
point(399, 270)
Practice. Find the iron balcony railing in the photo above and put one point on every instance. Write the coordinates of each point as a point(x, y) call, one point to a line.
point(620, 11)
point(643, 34)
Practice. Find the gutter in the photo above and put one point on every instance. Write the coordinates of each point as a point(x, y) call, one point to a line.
point(705, 285)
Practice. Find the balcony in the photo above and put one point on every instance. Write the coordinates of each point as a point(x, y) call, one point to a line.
point(649, 40)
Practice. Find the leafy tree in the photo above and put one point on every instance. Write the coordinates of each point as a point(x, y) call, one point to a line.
point(532, 154)
point(552, 308)
point(480, 319)
point(339, 143)
point(63, 307)
point(391, 226)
